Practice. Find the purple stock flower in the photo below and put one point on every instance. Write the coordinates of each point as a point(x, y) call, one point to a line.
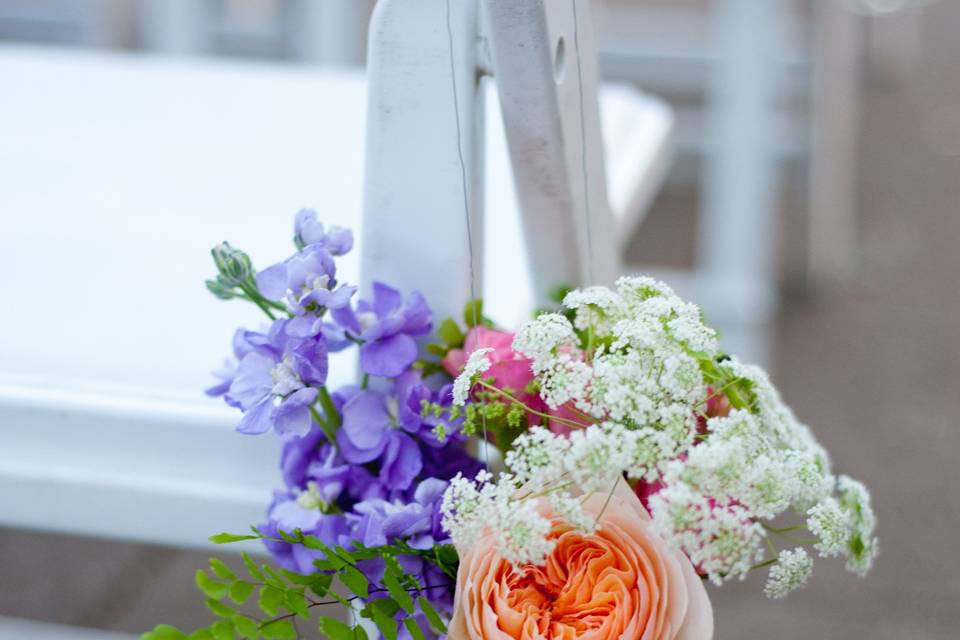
point(387, 326)
point(306, 282)
point(274, 381)
point(290, 511)
point(241, 346)
point(309, 230)
point(371, 432)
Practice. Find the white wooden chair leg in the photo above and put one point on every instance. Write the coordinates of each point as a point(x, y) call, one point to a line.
point(738, 227)
point(533, 47)
point(414, 230)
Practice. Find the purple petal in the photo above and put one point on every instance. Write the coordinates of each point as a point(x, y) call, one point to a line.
point(257, 419)
point(290, 515)
point(305, 326)
point(310, 361)
point(417, 315)
point(388, 357)
point(355, 455)
point(430, 490)
point(401, 462)
point(386, 299)
point(297, 456)
point(365, 420)
point(339, 240)
point(307, 227)
point(272, 281)
point(293, 414)
point(346, 318)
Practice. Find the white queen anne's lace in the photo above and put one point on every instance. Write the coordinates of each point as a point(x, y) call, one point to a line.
point(638, 369)
point(477, 363)
point(789, 573)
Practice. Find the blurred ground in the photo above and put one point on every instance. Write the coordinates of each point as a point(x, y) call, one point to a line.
point(872, 364)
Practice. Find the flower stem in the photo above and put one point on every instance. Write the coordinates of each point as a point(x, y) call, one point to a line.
point(512, 398)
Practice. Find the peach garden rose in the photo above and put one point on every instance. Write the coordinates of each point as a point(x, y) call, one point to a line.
point(620, 582)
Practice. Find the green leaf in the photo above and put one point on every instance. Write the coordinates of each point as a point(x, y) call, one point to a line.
point(270, 599)
point(388, 606)
point(334, 629)
point(447, 559)
point(272, 577)
point(226, 538)
point(246, 627)
point(344, 554)
point(219, 609)
point(359, 633)
point(240, 591)
point(397, 592)
point(354, 580)
point(210, 587)
point(414, 628)
point(450, 333)
point(222, 570)
point(222, 630)
point(432, 616)
point(320, 584)
point(164, 632)
point(382, 616)
point(252, 569)
point(473, 313)
point(279, 630)
point(437, 350)
point(202, 634)
point(296, 602)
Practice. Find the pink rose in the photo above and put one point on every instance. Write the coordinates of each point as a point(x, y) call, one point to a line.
point(620, 583)
point(509, 370)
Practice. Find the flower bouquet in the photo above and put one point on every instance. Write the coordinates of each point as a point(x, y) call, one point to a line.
point(583, 477)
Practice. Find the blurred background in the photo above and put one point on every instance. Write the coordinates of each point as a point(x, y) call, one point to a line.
point(811, 201)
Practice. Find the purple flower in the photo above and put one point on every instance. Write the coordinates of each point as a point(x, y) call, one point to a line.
point(290, 511)
point(387, 326)
point(370, 432)
point(273, 382)
point(309, 230)
point(306, 281)
point(242, 345)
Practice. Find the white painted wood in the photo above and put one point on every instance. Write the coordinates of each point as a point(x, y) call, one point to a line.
point(737, 234)
point(329, 32)
point(544, 62)
point(414, 225)
point(835, 122)
point(118, 173)
point(20, 629)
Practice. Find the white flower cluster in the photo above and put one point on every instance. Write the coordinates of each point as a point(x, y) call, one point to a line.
point(472, 507)
point(477, 363)
point(663, 407)
point(845, 526)
point(789, 573)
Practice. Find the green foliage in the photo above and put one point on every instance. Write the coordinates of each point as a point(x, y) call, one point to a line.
point(284, 596)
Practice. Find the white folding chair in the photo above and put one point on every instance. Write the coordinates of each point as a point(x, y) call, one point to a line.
point(119, 172)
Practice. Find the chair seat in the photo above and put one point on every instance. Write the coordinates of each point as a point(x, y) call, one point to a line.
point(119, 172)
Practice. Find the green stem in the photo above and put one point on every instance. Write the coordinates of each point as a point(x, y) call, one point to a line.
point(254, 296)
point(328, 430)
point(366, 381)
point(606, 503)
point(765, 563)
point(329, 409)
point(572, 423)
point(795, 527)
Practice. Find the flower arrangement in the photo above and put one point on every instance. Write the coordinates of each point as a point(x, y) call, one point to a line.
point(638, 462)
